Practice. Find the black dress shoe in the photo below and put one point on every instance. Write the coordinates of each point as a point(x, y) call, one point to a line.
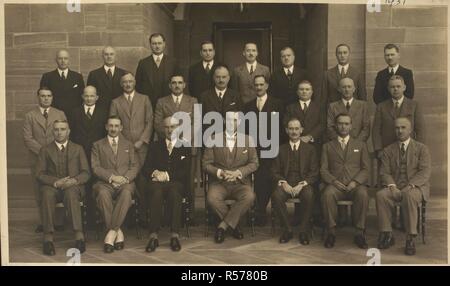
point(48, 248)
point(329, 241)
point(410, 247)
point(39, 229)
point(119, 245)
point(219, 237)
point(360, 241)
point(386, 241)
point(237, 233)
point(108, 248)
point(152, 244)
point(286, 236)
point(80, 245)
point(175, 244)
point(59, 227)
point(303, 237)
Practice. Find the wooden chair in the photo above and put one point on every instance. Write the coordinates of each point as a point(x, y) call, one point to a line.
point(251, 212)
point(421, 218)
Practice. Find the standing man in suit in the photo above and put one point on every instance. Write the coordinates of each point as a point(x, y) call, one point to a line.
point(263, 103)
point(38, 132)
point(357, 109)
point(330, 85)
point(345, 171)
point(392, 58)
point(200, 74)
point(153, 72)
point(169, 105)
point(295, 170)
point(244, 75)
point(221, 99)
point(230, 167)
point(136, 113)
point(284, 81)
point(87, 124)
point(106, 79)
point(387, 111)
point(62, 171)
point(66, 85)
point(405, 174)
point(115, 165)
point(166, 170)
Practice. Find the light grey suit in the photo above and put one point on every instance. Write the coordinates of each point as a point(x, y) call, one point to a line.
point(360, 119)
point(245, 160)
point(105, 164)
point(243, 81)
point(166, 107)
point(418, 171)
point(38, 132)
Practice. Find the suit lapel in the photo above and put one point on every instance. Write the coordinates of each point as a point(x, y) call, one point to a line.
point(124, 104)
point(337, 147)
point(410, 153)
point(286, 155)
point(52, 152)
point(390, 106)
point(40, 118)
point(70, 151)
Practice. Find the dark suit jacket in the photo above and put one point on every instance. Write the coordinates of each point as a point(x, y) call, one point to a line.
point(107, 89)
point(307, 157)
point(177, 165)
point(360, 119)
point(313, 122)
point(66, 93)
point(345, 166)
point(199, 80)
point(330, 84)
point(272, 105)
point(77, 164)
point(231, 101)
point(381, 92)
point(418, 166)
point(145, 72)
point(286, 90)
point(85, 131)
point(166, 107)
point(105, 164)
point(383, 133)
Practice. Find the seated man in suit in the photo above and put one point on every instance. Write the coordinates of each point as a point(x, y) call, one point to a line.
point(357, 109)
point(66, 85)
point(166, 170)
point(106, 79)
point(330, 86)
point(345, 171)
point(244, 75)
point(284, 81)
point(405, 175)
point(62, 171)
point(38, 132)
point(229, 167)
point(295, 170)
point(200, 74)
point(115, 165)
point(383, 133)
point(381, 90)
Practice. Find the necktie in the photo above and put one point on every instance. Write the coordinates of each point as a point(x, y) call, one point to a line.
point(305, 107)
point(62, 148)
point(45, 114)
point(391, 73)
point(129, 99)
point(158, 61)
point(169, 148)
point(402, 150)
point(88, 113)
point(114, 146)
point(220, 96)
point(294, 147)
point(110, 75)
point(63, 76)
point(343, 144)
point(259, 104)
point(342, 72)
point(177, 102)
point(397, 109)
point(251, 69)
point(208, 68)
point(347, 106)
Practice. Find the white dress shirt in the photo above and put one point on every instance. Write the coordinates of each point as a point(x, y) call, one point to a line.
point(66, 72)
point(250, 65)
point(113, 68)
point(156, 56)
point(345, 67)
point(395, 68)
point(211, 63)
point(349, 101)
point(260, 101)
point(302, 103)
point(130, 96)
point(174, 98)
point(291, 69)
point(62, 144)
point(86, 107)
point(221, 91)
point(43, 109)
point(400, 101)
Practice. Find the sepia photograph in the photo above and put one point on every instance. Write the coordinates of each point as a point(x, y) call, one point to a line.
point(236, 133)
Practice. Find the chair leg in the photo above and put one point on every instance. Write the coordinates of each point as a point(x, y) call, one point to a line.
point(348, 219)
point(84, 221)
point(272, 218)
point(423, 221)
point(136, 219)
point(206, 220)
point(252, 220)
point(97, 224)
point(187, 219)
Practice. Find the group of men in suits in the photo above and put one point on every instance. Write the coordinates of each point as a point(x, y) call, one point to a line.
point(132, 149)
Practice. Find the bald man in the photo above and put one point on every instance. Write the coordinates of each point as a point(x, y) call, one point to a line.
point(106, 79)
point(66, 85)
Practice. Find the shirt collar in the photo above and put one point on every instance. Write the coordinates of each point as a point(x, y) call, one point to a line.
point(405, 142)
point(249, 65)
point(174, 97)
point(291, 69)
point(343, 66)
point(395, 68)
point(263, 98)
point(231, 136)
point(211, 63)
point(297, 144)
point(66, 71)
point(345, 101)
point(111, 138)
point(174, 141)
point(161, 56)
point(345, 139)
point(222, 91)
point(43, 109)
point(64, 144)
point(400, 101)
point(307, 102)
point(131, 94)
point(92, 107)
point(107, 68)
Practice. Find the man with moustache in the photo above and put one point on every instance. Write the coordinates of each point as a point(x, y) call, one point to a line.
point(66, 85)
point(62, 171)
point(244, 75)
point(106, 79)
point(38, 132)
point(405, 175)
point(200, 74)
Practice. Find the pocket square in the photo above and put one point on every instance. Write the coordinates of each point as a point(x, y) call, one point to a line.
point(127, 150)
point(233, 103)
point(355, 150)
point(76, 85)
point(182, 157)
point(245, 151)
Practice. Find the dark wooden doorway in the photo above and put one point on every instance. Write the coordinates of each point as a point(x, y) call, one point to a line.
point(230, 38)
